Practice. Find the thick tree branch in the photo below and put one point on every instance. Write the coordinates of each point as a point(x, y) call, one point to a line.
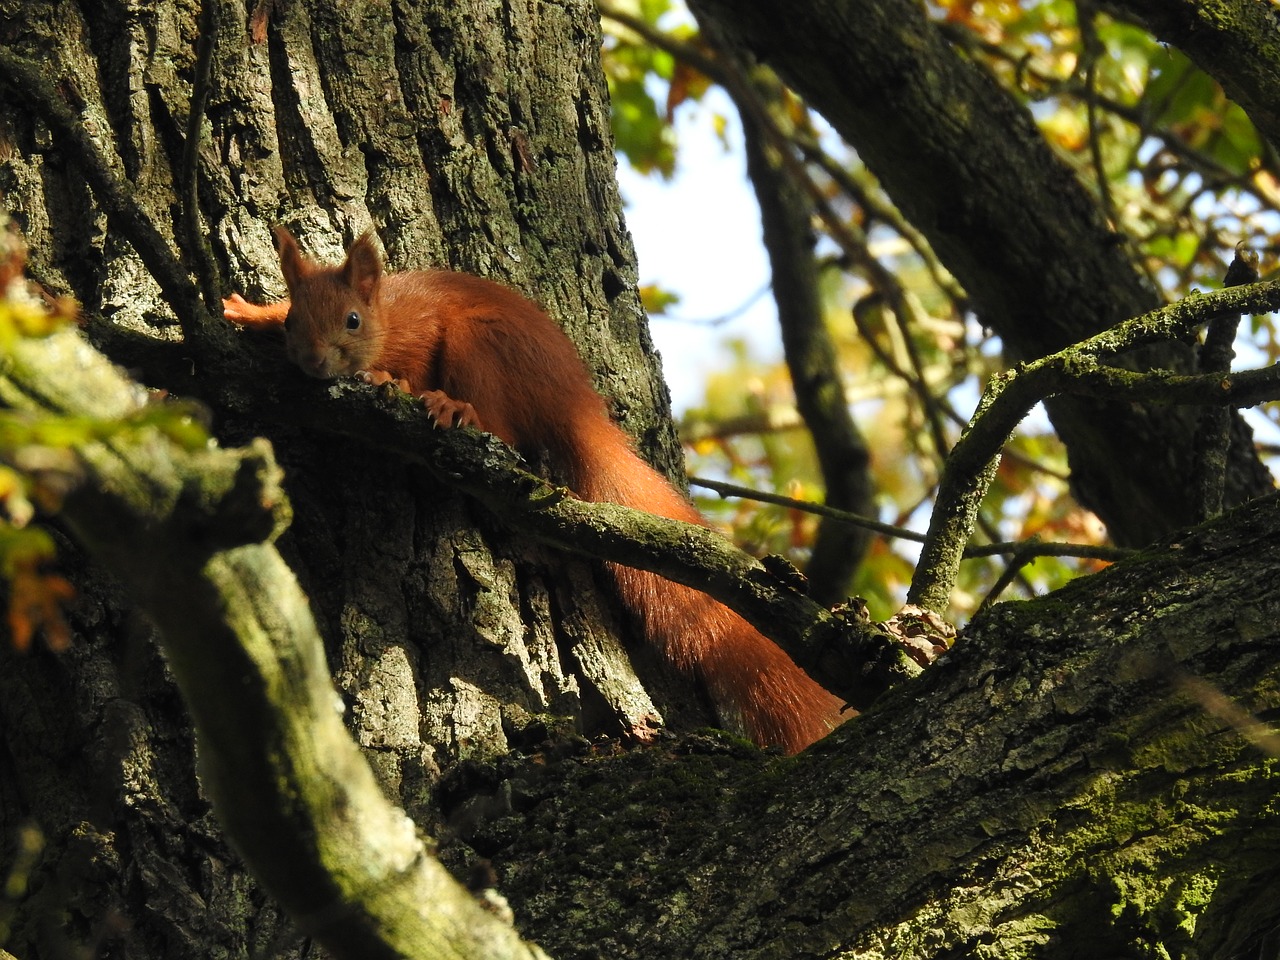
point(287, 781)
point(1234, 41)
point(966, 164)
point(835, 647)
point(1088, 759)
point(845, 652)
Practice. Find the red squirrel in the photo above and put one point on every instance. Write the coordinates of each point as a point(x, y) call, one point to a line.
point(480, 354)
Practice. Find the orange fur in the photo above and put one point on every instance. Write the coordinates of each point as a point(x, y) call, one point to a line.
point(480, 354)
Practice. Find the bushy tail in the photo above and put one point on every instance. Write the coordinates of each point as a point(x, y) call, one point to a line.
point(754, 684)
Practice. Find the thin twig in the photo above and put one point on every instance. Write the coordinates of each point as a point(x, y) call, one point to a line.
point(1012, 571)
point(31, 81)
point(1213, 433)
point(1092, 50)
point(1033, 547)
point(881, 209)
point(1077, 369)
point(818, 509)
point(731, 314)
point(198, 246)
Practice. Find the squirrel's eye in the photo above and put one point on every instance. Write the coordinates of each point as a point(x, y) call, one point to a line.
point(353, 320)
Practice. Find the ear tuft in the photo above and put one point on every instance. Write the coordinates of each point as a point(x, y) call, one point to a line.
point(292, 264)
point(363, 267)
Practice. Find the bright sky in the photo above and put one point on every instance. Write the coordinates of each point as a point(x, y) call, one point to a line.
point(698, 235)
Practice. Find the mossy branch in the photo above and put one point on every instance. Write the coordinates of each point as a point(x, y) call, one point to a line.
point(839, 646)
point(1076, 370)
point(1213, 432)
point(188, 531)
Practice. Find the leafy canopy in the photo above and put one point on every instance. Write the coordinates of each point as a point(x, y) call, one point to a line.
point(1177, 168)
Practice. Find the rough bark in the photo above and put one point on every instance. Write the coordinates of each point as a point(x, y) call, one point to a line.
point(965, 163)
point(1042, 785)
point(1234, 41)
point(471, 135)
point(189, 529)
point(1080, 777)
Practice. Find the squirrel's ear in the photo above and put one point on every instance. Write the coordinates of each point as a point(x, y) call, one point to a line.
point(363, 267)
point(292, 263)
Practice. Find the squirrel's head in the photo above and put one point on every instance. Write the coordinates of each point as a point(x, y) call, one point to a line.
point(332, 328)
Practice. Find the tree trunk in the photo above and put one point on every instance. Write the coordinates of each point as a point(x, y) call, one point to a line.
point(1044, 789)
point(470, 135)
point(1082, 776)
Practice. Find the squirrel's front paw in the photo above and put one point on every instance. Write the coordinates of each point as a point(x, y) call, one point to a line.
point(377, 378)
point(448, 412)
point(235, 308)
point(240, 311)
